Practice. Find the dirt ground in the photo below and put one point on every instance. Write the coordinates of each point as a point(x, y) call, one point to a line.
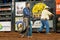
point(35, 36)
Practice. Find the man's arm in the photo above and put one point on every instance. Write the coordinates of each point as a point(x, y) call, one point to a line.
point(26, 12)
point(50, 14)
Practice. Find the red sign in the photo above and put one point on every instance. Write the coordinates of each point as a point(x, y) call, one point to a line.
point(57, 7)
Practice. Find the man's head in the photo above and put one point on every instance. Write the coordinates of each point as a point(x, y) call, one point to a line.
point(46, 8)
point(27, 4)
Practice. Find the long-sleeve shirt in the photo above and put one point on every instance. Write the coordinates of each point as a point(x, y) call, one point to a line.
point(26, 12)
point(45, 14)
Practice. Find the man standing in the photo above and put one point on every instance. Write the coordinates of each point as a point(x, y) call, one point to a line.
point(27, 14)
point(44, 19)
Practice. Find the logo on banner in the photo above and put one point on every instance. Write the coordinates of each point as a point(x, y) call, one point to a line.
point(1, 26)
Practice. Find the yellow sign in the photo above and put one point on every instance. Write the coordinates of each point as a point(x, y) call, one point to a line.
point(37, 9)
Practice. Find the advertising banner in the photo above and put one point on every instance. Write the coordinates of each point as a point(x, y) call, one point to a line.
point(57, 7)
point(19, 8)
point(38, 24)
point(5, 26)
point(19, 24)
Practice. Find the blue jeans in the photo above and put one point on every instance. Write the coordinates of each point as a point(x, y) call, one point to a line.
point(5, 1)
point(44, 23)
point(30, 30)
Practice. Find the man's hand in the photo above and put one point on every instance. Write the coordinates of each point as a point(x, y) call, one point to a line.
point(45, 19)
point(51, 15)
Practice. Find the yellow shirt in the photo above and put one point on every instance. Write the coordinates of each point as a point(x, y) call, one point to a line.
point(45, 14)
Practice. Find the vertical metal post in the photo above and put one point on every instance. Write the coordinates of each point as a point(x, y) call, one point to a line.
point(13, 14)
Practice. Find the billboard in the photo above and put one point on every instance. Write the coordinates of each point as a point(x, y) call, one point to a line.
point(5, 26)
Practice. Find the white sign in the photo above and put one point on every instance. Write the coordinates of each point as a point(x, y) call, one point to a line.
point(38, 24)
point(19, 8)
point(5, 26)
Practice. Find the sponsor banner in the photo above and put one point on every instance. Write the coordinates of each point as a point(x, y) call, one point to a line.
point(57, 6)
point(5, 26)
point(38, 24)
point(19, 23)
point(19, 8)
